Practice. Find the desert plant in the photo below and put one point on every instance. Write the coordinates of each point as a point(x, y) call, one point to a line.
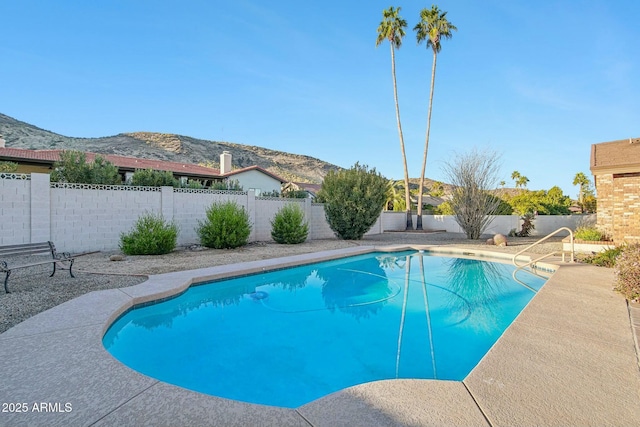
point(627, 271)
point(289, 226)
point(353, 200)
point(606, 258)
point(151, 235)
point(473, 176)
point(226, 226)
point(527, 225)
point(153, 178)
point(589, 233)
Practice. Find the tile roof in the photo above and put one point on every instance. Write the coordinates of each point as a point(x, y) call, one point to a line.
point(622, 155)
point(20, 153)
point(130, 163)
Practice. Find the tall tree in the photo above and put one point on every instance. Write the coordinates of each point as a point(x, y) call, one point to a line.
point(392, 28)
point(581, 180)
point(432, 28)
point(520, 180)
point(587, 196)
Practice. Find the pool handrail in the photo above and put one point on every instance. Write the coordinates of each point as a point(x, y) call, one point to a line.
point(532, 262)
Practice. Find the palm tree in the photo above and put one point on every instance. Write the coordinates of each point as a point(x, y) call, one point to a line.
point(392, 28)
point(395, 198)
point(581, 180)
point(433, 26)
point(520, 180)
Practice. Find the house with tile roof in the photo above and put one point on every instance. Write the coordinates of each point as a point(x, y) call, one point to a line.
point(615, 166)
point(249, 178)
point(311, 190)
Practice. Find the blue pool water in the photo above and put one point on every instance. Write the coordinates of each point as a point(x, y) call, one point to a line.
point(288, 337)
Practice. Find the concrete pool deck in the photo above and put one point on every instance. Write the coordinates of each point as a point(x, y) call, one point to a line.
point(568, 359)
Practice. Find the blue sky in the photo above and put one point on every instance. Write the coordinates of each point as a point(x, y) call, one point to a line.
point(537, 82)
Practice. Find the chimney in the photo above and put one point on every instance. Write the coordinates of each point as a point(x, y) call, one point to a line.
point(2, 141)
point(225, 162)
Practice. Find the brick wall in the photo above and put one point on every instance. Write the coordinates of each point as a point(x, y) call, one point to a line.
point(619, 206)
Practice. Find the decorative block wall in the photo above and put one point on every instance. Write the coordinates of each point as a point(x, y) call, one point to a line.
point(83, 218)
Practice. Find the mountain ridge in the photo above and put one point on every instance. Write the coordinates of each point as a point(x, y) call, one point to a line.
point(168, 147)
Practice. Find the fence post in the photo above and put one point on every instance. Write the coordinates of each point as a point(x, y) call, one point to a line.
point(40, 205)
point(308, 217)
point(251, 211)
point(166, 203)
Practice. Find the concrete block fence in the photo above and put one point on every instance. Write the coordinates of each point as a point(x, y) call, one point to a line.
point(544, 224)
point(82, 218)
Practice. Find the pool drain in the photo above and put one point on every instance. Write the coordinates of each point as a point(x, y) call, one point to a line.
point(258, 295)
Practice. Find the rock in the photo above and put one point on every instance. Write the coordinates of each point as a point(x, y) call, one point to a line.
point(500, 240)
point(116, 258)
point(490, 241)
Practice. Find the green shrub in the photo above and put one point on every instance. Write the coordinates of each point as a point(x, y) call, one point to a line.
point(295, 194)
point(226, 226)
point(151, 235)
point(289, 226)
point(353, 200)
point(193, 184)
point(73, 167)
point(627, 270)
point(606, 258)
point(590, 233)
point(153, 178)
point(443, 208)
point(9, 167)
point(229, 184)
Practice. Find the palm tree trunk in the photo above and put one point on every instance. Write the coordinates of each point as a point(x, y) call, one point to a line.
point(407, 196)
point(407, 274)
point(426, 143)
point(428, 314)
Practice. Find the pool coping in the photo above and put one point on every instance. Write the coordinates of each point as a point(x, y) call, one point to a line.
point(569, 358)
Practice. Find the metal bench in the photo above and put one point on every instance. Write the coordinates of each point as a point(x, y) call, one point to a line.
point(21, 251)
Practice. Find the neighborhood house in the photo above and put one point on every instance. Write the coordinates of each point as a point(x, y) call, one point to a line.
point(249, 178)
point(615, 166)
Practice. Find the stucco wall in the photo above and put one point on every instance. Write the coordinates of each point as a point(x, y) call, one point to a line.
point(254, 179)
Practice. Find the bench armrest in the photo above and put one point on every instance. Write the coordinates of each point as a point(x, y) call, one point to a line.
point(63, 256)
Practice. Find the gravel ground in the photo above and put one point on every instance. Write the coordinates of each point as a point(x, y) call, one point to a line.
point(33, 291)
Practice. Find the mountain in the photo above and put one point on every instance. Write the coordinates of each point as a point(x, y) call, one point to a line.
point(170, 147)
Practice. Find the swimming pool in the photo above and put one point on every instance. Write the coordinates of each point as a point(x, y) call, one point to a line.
point(288, 337)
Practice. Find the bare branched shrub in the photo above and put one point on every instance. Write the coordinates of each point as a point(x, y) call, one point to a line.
point(627, 270)
point(474, 176)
